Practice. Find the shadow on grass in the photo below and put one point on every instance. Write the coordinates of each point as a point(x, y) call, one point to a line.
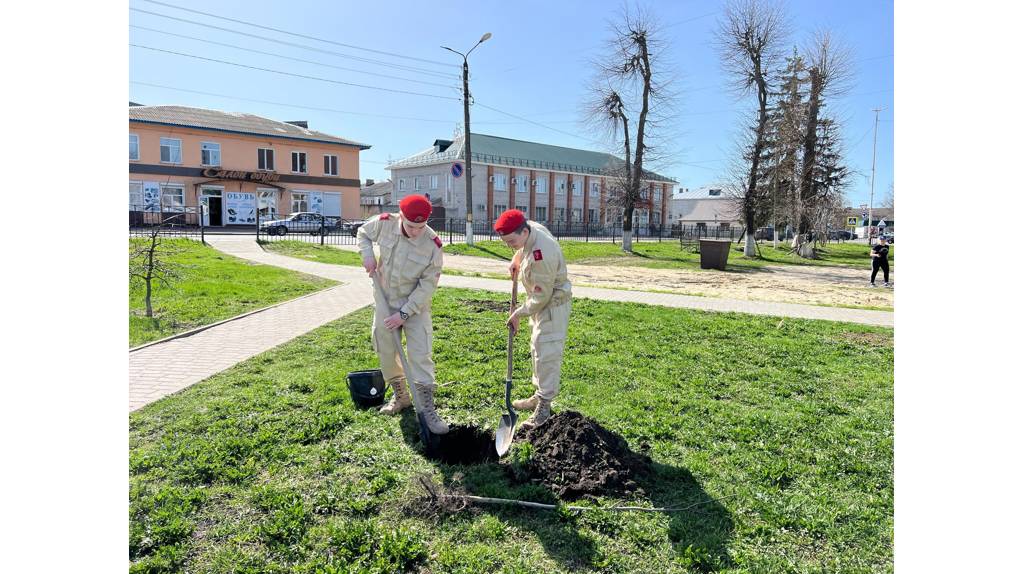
point(699, 535)
point(501, 256)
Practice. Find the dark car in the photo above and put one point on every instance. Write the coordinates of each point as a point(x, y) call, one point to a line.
point(350, 227)
point(841, 234)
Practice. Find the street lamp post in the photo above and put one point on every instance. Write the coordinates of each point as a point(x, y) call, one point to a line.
point(469, 151)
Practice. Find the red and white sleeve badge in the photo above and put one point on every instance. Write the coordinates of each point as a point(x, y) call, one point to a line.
point(537, 255)
point(437, 242)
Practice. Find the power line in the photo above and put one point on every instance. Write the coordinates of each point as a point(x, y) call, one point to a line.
point(301, 46)
point(288, 57)
point(297, 106)
point(292, 74)
point(301, 35)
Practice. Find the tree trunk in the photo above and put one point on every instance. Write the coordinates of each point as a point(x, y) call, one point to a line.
point(149, 299)
point(627, 230)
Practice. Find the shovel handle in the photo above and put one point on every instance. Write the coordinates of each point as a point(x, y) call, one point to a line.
point(511, 334)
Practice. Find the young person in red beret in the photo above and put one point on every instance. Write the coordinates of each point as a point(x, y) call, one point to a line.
point(408, 270)
point(539, 262)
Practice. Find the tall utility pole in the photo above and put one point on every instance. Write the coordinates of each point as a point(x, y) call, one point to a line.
point(469, 151)
point(871, 201)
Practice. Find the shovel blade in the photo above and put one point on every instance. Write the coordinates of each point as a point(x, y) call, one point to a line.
point(503, 436)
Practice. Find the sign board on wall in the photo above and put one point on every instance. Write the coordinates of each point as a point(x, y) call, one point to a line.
point(151, 196)
point(316, 201)
point(240, 208)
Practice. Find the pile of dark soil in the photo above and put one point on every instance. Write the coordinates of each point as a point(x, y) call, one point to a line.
point(574, 456)
point(478, 306)
point(464, 444)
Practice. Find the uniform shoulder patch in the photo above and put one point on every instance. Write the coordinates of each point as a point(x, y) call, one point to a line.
point(437, 242)
point(385, 216)
point(537, 255)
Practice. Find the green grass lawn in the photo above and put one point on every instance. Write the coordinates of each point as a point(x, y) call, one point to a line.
point(314, 252)
point(784, 429)
point(668, 255)
point(214, 287)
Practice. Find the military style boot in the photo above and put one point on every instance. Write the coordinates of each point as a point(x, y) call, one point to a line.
point(540, 415)
point(400, 398)
point(425, 402)
point(525, 404)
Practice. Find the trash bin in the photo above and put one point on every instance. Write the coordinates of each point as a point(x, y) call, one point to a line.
point(714, 253)
point(367, 388)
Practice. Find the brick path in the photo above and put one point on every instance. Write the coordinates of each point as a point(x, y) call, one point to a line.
point(161, 369)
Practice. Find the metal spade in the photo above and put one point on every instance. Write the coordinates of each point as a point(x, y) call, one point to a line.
point(507, 426)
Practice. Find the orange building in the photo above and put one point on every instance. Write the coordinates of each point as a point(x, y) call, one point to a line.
point(233, 164)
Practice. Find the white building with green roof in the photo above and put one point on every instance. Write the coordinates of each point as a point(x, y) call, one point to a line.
point(551, 184)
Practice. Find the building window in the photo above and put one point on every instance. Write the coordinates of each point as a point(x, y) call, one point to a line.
point(299, 162)
point(499, 208)
point(657, 196)
point(724, 226)
point(559, 214)
point(300, 202)
point(522, 183)
point(542, 185)
point(170, 150)
point(133, 147)
point(401, 185)
point(591, 215)
point(172, 198)
point(525, 209)
point(577, 214)
point(542, 213)
point(595, 189)
point(433, 182)
point(714, 192)
point(500, 182)
point(209, 153)
point(577, 187)
point(416, 184)
point(268, 205)
point(702, 227)
point(135, 196)
point(265, 159)
point(330, 165)
point(560, 186)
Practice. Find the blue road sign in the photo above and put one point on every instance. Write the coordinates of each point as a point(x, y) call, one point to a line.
point(457, 170)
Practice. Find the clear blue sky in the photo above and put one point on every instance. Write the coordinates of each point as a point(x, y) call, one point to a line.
point(535, 66)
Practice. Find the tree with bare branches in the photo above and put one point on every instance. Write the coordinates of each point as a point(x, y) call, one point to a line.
point(149, 262)
point(749, 36)
point(630, 101)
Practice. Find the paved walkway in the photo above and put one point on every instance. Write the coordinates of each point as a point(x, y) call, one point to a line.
point(161, 369)
point(246, 248)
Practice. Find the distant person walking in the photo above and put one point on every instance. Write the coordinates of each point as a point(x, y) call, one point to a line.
point(880, 260)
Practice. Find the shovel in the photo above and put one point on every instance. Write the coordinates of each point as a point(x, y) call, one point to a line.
point(431, 441)
point(507, 426)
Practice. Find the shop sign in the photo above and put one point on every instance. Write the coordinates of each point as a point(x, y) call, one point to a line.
point(240, 207)
point(258, 176)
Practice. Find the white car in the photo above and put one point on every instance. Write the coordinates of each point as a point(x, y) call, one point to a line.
point(301, 222)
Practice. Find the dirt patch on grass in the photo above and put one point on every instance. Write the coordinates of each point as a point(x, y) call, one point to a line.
point(574, 456)
point(477, 306)
point(872, 339)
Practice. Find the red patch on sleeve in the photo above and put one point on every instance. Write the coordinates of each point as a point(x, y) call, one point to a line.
point(537, 255)
point(385, 216)
point(537, 289)
point(437, 242)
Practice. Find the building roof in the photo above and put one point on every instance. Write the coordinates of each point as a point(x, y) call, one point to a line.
point(378, 189)
point(236, 122)
point(519, 153)
point(708, 210)
point(706, 192)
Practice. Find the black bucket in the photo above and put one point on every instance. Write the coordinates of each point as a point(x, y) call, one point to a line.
point(367, 388)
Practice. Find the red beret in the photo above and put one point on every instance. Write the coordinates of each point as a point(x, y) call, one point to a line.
point(415, 208)
point(509, 222)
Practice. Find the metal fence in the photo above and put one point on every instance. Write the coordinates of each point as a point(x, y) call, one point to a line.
point(171, 221)
point(454, 231)
point(309, 228)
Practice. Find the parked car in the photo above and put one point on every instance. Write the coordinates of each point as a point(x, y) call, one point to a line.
point(350, 227)
point(889, 236)
point(300, 222)
point(841, 234)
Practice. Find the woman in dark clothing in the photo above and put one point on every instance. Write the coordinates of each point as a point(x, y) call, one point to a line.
point(880, 260)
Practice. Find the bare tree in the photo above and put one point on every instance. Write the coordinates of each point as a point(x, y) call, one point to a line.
point(829, 70)
point(890, 200)
point(629, 103)
point(149, 262)
point(749, 37)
